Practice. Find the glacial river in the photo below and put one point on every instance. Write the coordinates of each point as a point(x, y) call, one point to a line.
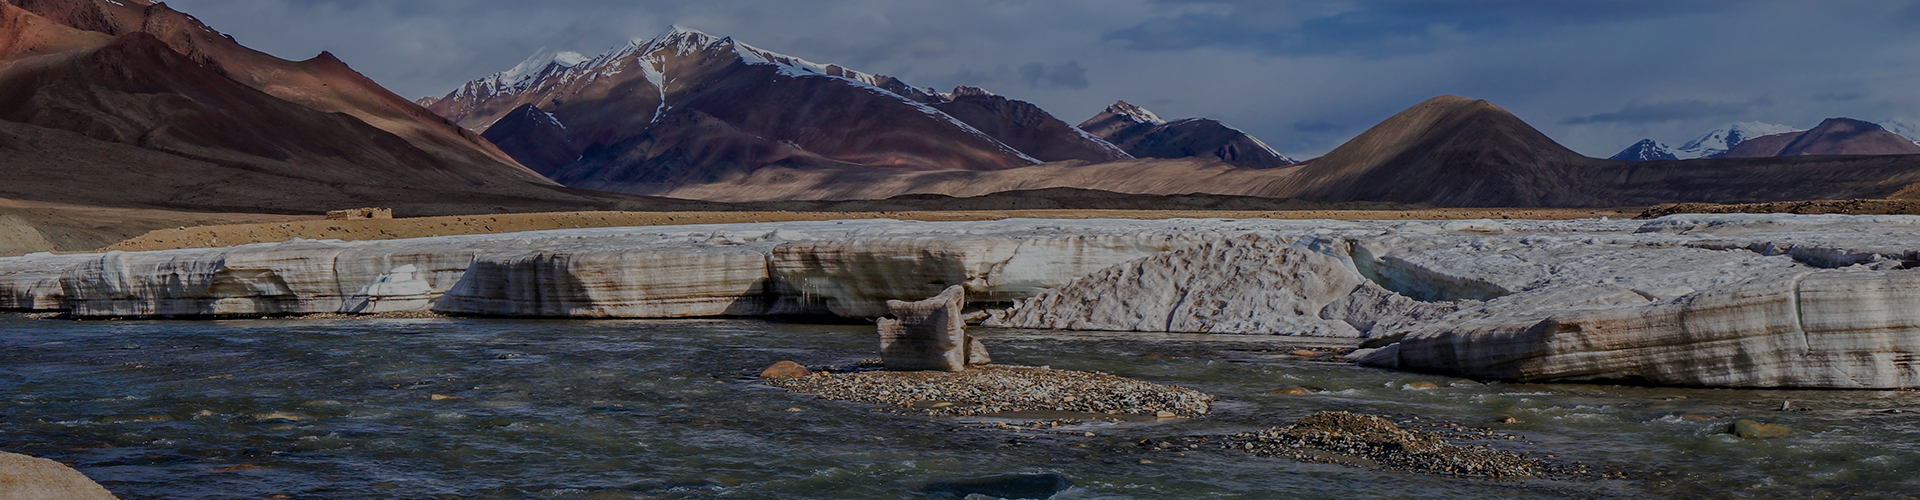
point(475, 408)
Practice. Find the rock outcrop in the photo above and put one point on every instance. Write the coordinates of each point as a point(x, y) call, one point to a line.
point(929, 334)
point(1706, 300)
point(28, 478)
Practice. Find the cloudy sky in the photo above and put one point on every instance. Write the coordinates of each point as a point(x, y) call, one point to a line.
point(1304, 76)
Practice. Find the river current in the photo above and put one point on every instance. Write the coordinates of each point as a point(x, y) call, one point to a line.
point(491, 408)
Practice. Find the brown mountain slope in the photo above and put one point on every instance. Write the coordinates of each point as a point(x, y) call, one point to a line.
point(1140, 176)
point(1449, 151)
point(1834, 136)
point(23, 34)
point(322, 83)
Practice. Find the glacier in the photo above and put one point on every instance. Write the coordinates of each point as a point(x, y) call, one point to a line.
point(1696, 300)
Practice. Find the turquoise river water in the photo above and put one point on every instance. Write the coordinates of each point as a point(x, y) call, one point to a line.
point(490, 408)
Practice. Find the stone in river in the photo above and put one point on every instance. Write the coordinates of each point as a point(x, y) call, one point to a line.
point(925, 335)
point(1011, 486)
point(29, 478)
point(784, 369)
point(1754, 430)
point(1291, 391)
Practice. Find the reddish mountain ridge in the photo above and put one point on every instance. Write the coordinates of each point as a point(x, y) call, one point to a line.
point(323, 83)
point(112, 116)
point(1834, 136)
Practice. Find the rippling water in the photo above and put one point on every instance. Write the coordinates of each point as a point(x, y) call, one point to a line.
point(472, 408)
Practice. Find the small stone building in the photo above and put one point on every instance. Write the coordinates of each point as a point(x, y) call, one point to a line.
point(360, 213)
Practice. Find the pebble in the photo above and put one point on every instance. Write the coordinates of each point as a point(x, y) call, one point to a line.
point(1421, 386)
point(1164, 414)
point(1304, 353)
point(1509, 420)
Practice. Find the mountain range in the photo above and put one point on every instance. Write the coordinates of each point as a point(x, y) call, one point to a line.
point(129, 103)
point(689, 109)
point(1836, 136)
point(126, 103)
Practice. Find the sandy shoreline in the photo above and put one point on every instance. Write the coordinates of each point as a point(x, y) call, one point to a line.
point(385, 229)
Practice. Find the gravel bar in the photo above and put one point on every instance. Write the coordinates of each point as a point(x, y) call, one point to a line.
point(994, 389)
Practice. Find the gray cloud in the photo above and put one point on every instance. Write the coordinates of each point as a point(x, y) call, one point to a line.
point(1382, 28)
point(1669, 111)
point(1068, 74)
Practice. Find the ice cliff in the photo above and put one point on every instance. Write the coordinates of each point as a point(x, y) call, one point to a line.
point(1722, 300)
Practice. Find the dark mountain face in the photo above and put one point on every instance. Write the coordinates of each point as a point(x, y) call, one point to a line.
point(1027, 128)
point(1835, 136)
point(1645, 150)
point(535, 138)
point(795, 113)
point(1144, 135)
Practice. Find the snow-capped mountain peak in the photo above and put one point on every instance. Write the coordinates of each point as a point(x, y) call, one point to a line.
point(540, 61)
point(523, 75)
point(1135, 113)
point(1722, 139)
point(1645, 150)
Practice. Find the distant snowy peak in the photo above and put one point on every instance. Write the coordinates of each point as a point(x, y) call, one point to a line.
point(1722, 139)
point(1906, 128)
point(1135, 113)
point(1645, 150)
point(524, 75)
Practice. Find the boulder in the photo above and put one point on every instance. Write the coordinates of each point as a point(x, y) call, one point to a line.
point(29, 478)
point(1754, 430)
point(926, 335)
point(784, 369)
